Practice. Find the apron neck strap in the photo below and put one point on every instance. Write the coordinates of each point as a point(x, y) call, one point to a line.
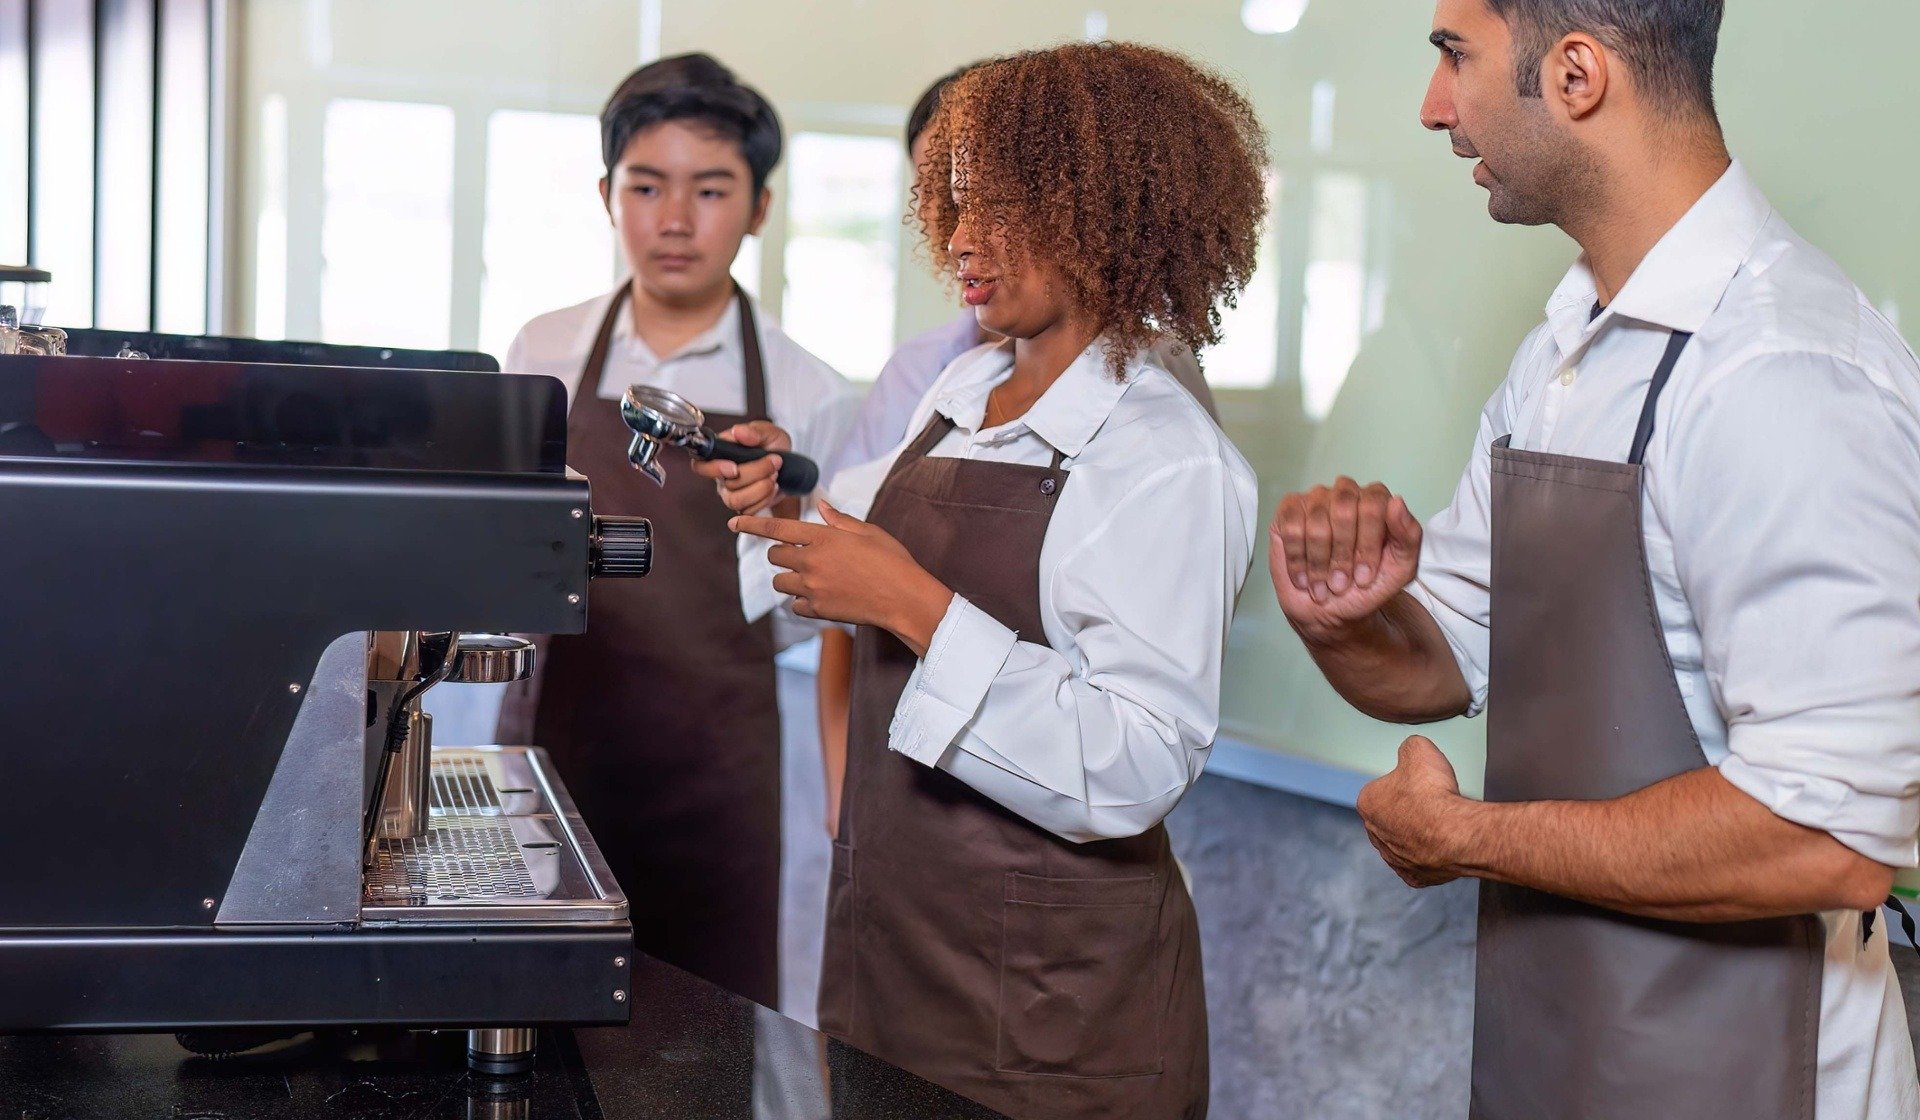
point(937, 429)
point(1643, 432)
point(752, 367)
point(597, 357)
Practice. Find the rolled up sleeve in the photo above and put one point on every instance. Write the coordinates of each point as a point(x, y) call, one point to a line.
point(1793, 498)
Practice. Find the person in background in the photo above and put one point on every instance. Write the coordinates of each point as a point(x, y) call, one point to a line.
point(1043, 588)
point(881, 424)
point(663, 716)
point(1680, 576)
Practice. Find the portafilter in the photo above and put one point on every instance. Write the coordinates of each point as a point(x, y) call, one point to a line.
point(659, 416)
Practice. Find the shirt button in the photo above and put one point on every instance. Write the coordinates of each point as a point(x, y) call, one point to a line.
point(1566, 378)
point(1048, 486)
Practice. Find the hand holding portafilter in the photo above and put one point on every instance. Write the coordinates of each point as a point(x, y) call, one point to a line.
point(658, 416)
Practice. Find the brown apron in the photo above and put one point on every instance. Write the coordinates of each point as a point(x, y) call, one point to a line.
point(965, 944)
point(663, 717)
point(1583, 1013)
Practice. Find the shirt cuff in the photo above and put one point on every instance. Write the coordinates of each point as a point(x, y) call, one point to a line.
point(950, 683)
point(1880, 827)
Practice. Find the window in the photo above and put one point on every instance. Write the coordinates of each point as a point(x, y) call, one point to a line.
point(386, 229)
point(547, 243)
point(63, 163)
point(842, 250)
point(270, 227)
point(1248, 356)
point(13, 133)
point(1337, 311)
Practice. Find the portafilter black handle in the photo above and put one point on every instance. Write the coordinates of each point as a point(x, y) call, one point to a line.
point(798, 474)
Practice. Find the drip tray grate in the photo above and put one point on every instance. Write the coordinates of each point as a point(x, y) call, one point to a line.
point(497, 849)
point(460, 859)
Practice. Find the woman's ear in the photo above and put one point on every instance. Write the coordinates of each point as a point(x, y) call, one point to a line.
point(1575, 76)
point(761, 209)
point(606, 197)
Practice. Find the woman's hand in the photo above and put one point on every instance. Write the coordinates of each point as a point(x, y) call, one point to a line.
point(850, 571)
point(749, 487)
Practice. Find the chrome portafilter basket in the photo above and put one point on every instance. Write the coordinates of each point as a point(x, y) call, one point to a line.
point(660, 417)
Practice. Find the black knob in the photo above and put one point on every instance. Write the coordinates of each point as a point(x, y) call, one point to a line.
point(620, 547)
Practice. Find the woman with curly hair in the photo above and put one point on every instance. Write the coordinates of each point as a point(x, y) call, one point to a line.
point(1042, 586)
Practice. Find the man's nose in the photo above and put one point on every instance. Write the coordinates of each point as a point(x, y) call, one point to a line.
point(1437, 112)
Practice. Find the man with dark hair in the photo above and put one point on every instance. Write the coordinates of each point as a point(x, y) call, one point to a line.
point(663, 716)
point(1695, 503)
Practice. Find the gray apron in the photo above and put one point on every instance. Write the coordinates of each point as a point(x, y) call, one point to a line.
point(1583, 1013)
point(965, 944)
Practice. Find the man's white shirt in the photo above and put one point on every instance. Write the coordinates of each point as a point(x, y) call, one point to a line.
point(1782, 528)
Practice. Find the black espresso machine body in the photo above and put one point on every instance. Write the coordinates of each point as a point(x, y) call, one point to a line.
point(198, 557)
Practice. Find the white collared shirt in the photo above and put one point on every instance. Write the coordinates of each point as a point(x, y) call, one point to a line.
point(1782, 527)
point(1097, 727)
point(804, 395)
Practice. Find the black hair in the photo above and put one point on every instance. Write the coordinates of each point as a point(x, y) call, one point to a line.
point(692, 87)
point(923, 109)
point(1669, 44)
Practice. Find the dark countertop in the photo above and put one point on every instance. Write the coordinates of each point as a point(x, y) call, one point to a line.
point(689, 1054)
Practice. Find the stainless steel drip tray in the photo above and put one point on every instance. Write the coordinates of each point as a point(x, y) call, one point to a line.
point(503, 844)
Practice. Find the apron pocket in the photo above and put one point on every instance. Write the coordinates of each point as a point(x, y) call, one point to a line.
point(1079, 977)
point(836, 958)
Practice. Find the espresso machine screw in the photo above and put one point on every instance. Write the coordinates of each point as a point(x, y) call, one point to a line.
point(619, 962)
point(573, 599)
point(206, 904)
point(578, 514)
point(294, 688)
point(619, 996)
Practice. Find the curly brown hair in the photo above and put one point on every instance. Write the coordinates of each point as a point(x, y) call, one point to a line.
point(1135, 171)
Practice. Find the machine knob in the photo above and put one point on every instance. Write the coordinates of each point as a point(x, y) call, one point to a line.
point(620, 547)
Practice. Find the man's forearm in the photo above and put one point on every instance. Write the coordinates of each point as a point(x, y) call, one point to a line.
point(1394, 666)
point(1693, 848)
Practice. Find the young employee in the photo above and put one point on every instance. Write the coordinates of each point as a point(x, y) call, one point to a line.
point(662, 717)
point(1042, 588)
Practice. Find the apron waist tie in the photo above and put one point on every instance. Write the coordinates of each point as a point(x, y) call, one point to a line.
point(1906, 922)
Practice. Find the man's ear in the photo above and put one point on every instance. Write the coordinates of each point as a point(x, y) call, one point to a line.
point(761, 209)
point(1576, 76)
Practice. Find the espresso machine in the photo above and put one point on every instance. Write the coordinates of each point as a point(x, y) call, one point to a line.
point(228, 585)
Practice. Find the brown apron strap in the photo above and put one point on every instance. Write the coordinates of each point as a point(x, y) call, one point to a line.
point(596, 366)
point(754, 369)
point(937, 429)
